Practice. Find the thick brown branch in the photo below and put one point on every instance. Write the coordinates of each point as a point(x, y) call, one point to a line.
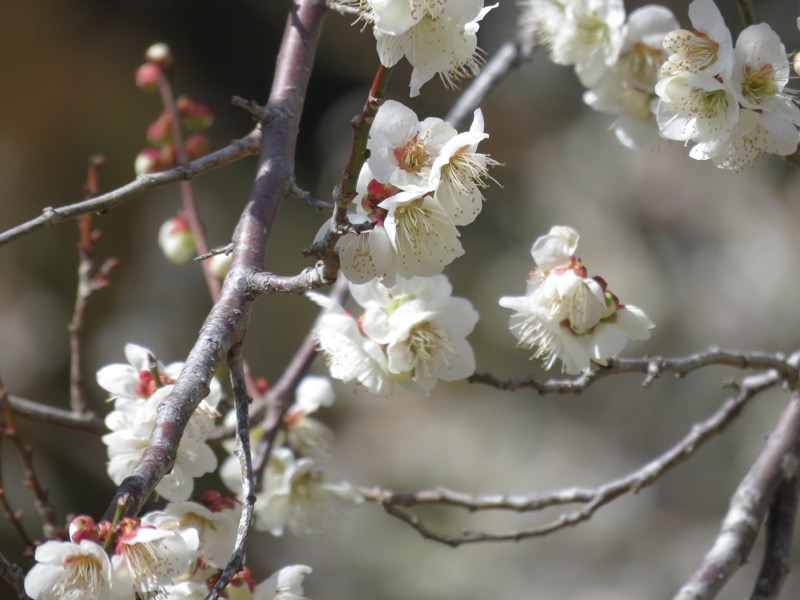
point(50, 216)
point(226, 324)
point(778, 459)
point(591, 498)
point(778, 544)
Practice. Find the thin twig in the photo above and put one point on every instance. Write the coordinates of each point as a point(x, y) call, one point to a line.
point(746, 13)
point(778, 545)
point(778, 459)
point(237, 149)
point(242, 451)
point(50, 524)
point(309, 199)
point(592, 498)
point(88, 283)
point(14, 576)
point(510, 56)
point(86, 422)
point(650, 366)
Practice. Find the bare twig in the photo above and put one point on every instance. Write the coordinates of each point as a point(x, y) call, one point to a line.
point(591, 498)
point(510, 56)
point(652, 367)
point(309, 199)
point(778, 459)
point(88, 283)
point(242, 404)
point(86, 422)
point(746, 13)
point(14, 576)
point(260, 113)
point(50, 525)
point(339, 7)
point(226, 324)
point(237, 149)
point(778, 544)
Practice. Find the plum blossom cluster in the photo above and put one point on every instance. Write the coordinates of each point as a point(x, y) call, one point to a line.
point(567, 315)
point(731, 102)
point(422, 179)
point(661, 81)
point(137, 390)
point(177, 553)
point(618, 60)
point(436, 36)
point(297, 492)
point(411, 334)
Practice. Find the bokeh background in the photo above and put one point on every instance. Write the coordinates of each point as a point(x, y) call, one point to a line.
point(710, 255)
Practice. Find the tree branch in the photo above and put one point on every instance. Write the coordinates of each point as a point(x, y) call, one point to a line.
point(778, 459)
point(591, 498)
point(14, 576)
point(652, 367)
point(225, 326)
point(237, 149)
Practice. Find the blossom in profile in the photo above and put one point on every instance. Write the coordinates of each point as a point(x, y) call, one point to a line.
point(286, 584)
point(436, 36)
point(566, 315)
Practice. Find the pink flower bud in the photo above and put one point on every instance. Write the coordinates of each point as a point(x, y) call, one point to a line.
point(195, 116)
point(196, 145)
point(148, 161)
point(176, 240)
point(159, 132)
point(83, 527)
point(219, 265)
point(147, 77)
point(160, 54)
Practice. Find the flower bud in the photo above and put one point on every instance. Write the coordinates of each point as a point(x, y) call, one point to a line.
point(196, 145)
point(796, 57)
point(176, 240)
point(148, 161)
point(147, 77)
point(83, 527)
point(160, 54)
point(159, 132)
point(219, 265)
point(195, 116)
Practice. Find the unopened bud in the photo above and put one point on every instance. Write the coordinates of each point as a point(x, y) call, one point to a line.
point(196, 145)
point(176, 240)
point(147, 77)
point(148, 161)
point(83, 527)
point(195, 116)
point(796, 57)
point(159, 132)
point(219, 265)
point(159, 54)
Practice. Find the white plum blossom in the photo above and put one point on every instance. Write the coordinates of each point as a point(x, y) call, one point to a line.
point(350, 355)
point(402, 149)
point(436, 36)
point(415, 330)
point(70, 571)
point(421, 328)
point(215, 521)
point(627, 89)
point(138, 389)
point(150, 558)
point(584, 33)
point(708, 50)
point(298, 495)
point(286, 584)
point(567, 315)
point(303, 433)
point(421, 180)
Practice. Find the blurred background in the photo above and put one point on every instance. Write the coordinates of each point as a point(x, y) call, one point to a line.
point(709, 255)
